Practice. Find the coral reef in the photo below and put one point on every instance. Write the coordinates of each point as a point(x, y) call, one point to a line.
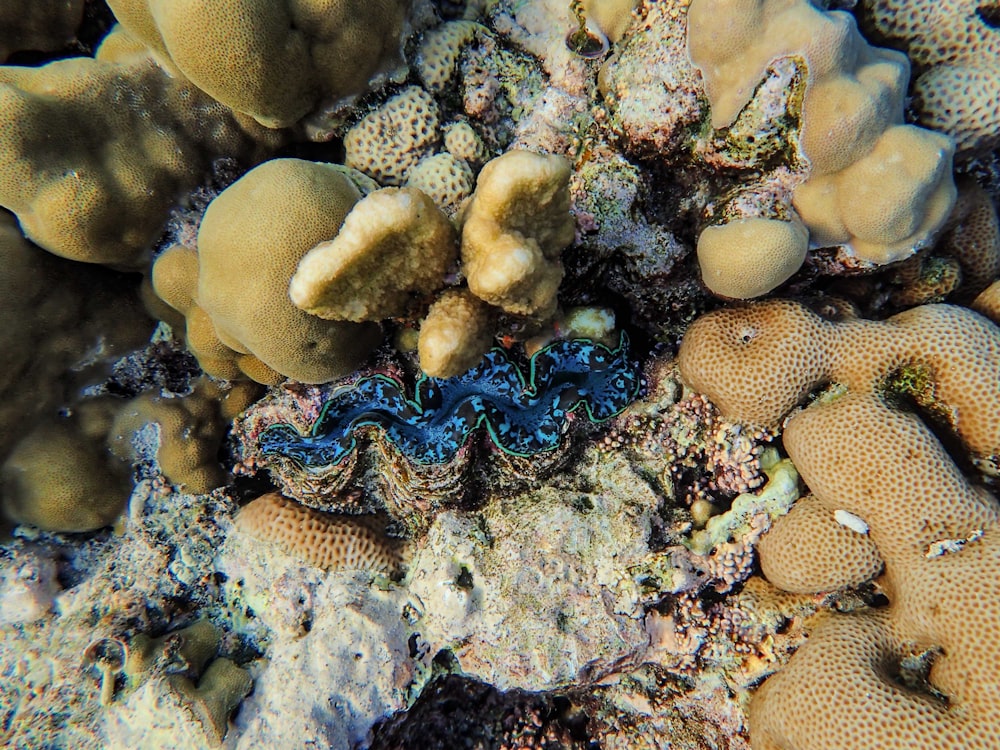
point(346, 497)
point(133, 141)
point(852, 131)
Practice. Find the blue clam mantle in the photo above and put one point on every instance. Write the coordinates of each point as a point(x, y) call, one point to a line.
point(524, 416)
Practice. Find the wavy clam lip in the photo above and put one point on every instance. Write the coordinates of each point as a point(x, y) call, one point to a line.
point(524, 414)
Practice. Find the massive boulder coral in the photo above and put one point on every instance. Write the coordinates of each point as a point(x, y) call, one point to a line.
point(273, 61)
point(876, 186)
point(956, 48)
point(37, 24)
point(58, 476)
point(63, 323)
point(187, 432)
point(920, 671)
point(234, 290)
point(787, 350)
point(939, 538)
point(95, 152)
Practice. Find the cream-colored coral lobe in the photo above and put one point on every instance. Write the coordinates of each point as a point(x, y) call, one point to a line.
point(505, 374)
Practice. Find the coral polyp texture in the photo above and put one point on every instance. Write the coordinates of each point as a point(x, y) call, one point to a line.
point(234, 290)
point(132, 141)
point(273, 61)
point(920, 671)
point(876, 185)
point(322, 539)
point(787, 350)
point(524, 414)
point(955, 46)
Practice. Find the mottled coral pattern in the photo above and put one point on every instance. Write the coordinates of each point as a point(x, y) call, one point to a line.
point(523, 414)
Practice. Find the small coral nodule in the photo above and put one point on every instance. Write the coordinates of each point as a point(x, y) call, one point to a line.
point(523, 415)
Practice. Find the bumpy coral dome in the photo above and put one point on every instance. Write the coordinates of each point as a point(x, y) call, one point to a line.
point(878, 186)
point(770, 249)
point(94, 153)
point(514, 229)
point(887, 202)
point(190, 430)
point(58, 477)
point(939, 537)
point(786, 350)
point(447, 179)
point(274, 61)
point(251, 240)
point(860, 680)
point(959, 92)
point(839, 556)
point(322, 539)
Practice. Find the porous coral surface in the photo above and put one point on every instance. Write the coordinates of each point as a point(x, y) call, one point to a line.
point(395, 479)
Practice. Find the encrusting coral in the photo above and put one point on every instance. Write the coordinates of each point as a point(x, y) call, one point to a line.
point(918, 672)
point(878, 186)
point(95, 152)
point(189, 432)
point(184, 664)
point(234, 291)
point(514, 229)
point(328, 541)
point(274, 61)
